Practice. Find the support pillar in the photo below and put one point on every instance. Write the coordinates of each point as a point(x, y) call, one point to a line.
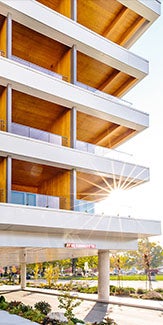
point(9, 108)
point(23, 260)
point(73, 189)
point(73, 64)
point(103, 275)
point(9, 36)
point(9, 179)
point(74, 10)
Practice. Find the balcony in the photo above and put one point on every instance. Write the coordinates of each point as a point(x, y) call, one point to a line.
point(84, 206)
point(32, 199)
point(105, 152)
point(38, 134)
point(37, 67)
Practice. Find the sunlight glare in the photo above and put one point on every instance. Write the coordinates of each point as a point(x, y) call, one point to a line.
point(117, 203)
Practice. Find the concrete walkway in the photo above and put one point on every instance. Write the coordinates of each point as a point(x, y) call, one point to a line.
point(123, 310)
point(10, 319)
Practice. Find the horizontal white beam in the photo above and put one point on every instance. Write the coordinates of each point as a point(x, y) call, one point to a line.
point(56, 26)
point(35, 219)
point(39, 84)
point(148, 9)
point(44, 233)
point(28, 149)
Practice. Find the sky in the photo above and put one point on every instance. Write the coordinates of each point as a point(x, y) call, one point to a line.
point(146, 201)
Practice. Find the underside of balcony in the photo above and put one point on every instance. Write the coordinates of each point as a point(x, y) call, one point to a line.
point(49, 234)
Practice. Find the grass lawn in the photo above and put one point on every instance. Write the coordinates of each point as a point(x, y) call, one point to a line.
point(133, 277)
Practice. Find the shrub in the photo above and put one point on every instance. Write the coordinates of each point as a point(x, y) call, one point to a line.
point(13, 304)
point(140, 291)
point(43, 307)
point(68, 303)
point(107, 321)
point(2, 299)
point(34, 315)
point(3, 303)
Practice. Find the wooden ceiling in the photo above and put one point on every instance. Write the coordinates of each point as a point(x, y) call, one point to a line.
point(60, 6)
point(118, 24)
point(35, 112)
point(26, 174)
point(36, 48)
point(47, 53)
point(102, 77)
point(97, 187)
point(101, 133)
point(29, 177)
point(2, 19)
point(1, 89)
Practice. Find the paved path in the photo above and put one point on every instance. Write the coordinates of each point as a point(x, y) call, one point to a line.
point(141, 313)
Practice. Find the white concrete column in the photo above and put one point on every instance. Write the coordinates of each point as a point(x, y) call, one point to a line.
point(103, 275)
point(23, 259)
point(9, 36)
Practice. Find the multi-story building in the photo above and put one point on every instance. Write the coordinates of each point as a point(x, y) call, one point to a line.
point(64, 66)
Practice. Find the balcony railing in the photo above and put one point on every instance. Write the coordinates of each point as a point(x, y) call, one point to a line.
point(32, 199)
point(105, 152)
point(37, 67)
point(84, 206)
point(38, 134)
point(103, 94)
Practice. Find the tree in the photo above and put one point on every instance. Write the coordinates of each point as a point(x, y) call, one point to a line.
point(152, 254)
point(51, 274)
point(91, 260)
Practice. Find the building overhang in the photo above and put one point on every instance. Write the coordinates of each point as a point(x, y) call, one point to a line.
point(150, 10)
point(44, 233)
point(35, 219)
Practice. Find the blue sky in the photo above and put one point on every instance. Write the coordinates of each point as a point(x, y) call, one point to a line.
point(146, 201)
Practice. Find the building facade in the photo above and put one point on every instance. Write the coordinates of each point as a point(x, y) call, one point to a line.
point(64, 66)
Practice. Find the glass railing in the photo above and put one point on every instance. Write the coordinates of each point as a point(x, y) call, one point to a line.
point(103, 94)
point(37, 67)
point(84, 206)
point(32, 199)
point(38, 134)
point(105, 152)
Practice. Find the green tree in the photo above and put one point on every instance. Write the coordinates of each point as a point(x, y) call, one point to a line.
point(91, 260)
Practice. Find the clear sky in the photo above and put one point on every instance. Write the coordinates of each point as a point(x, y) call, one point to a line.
point(146, 201)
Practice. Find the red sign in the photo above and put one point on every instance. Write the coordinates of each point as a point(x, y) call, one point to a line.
point(76, 245)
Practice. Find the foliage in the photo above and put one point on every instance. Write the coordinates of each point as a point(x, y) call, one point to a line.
point(51, 274)
point(107, 321)
point(43, 307)
point(154, 250)
point(91, 260)
point(3, 303)
point(36, 270)
point(18, 308)
point(68, 303)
